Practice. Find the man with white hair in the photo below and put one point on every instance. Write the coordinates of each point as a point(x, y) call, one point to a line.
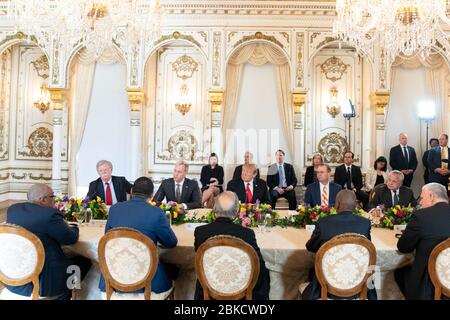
point(111, 189)
point(226, 208)
point(39, 217)
point(427, 228)
point(180, 189)
point(392, 193)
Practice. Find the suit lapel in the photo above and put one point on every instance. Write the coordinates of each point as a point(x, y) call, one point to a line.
point(116, 187)
point(101, 190)
point(170, 194)
point(184, 190)
point(388, 198)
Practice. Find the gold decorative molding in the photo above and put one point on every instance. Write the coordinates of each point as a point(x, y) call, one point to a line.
point(39, 177)
point(6, 177)
point(41, 66)
point(382, 70)
point(380, 100)
point(175, 36)
point(230, 35)
point(58, 97)
point(136, 98)
point(40, 144)
point(22, 177)
point(18, 36)
point(332, 147)
point(216, 58)
point(298, 100)
point(259, 36)
point(204, 35)
point(184, 67)
point(334, 68)
point(215, 97)
point(285, 35)
point(300, 69)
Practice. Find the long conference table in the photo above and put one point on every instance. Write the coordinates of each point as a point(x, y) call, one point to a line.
point(283, 250)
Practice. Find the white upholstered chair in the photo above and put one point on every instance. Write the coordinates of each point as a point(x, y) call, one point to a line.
point(343, 266)
point(227, 268)
point(22, 258)
point(439, 269)
point(128, 261)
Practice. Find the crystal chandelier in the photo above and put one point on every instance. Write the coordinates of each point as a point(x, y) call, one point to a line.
point(96, 24)
point(400, 27)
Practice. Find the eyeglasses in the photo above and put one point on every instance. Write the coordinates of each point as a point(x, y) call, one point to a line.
point(50, 196)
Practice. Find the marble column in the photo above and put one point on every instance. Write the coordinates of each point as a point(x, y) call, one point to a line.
point(298, 101)
point(136, 98)
point(215, 98)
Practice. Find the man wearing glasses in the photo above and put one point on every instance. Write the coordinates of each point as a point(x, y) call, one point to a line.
point(39, 217)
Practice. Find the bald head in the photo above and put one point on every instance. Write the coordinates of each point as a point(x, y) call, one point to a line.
point(226, 205)
point(42, 194)
point(345, 200)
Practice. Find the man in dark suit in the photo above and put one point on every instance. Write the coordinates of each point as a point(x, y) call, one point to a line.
point(282, 181)
point(111, 189)
point(226, 208)
point(248, 159)
point(323, 192)
point(248, 188)
point(180, 189)
point(426, 170)
point(39, 217)
point(136, 213)
point(349, 176)
point(392, 193)
point(438, 162)
point(427, 228)
point(328, 227)
point(403, 158)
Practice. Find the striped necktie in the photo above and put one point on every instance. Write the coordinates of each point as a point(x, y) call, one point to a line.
point(324, 197)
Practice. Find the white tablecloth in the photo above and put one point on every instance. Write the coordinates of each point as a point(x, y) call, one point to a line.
point(283, 250)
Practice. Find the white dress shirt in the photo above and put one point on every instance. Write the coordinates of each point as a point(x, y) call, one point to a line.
point(403, 150)
point(111, 186)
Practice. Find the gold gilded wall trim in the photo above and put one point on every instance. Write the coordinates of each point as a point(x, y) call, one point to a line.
point(259, 36)
point(177, 35)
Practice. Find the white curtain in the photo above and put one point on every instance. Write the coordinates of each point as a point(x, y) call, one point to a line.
point(82, 73)
point(258, 54)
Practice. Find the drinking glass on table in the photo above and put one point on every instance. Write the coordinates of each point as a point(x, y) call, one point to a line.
point(81, 216)
point(261, 223)
point(268, 222)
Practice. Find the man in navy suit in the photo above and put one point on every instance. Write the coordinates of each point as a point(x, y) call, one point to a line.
point(282, 181)
point(39, 217)
point(138, 214)
point(328, 227)
point(403, 158)
point(249, 188)
point(180, 189)
point(323, 192)
point(226, 208)
point(426, 171)
point(427, 228)
point(438, 162)
point(111, 189)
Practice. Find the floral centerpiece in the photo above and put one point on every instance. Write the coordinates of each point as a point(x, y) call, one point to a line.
point(396, 216)
point(249, 214)
point(308, 216)
point(177, 212)
point(70, 206)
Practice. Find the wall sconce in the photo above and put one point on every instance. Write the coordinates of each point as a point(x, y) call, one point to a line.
point(183, 105)
point(44, 102)
point(333, 107)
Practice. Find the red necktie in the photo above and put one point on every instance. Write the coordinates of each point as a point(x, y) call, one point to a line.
point(249, 194)
point(108, 195)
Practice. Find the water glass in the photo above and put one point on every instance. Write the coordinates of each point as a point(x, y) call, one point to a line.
point(261, 223)
point(268, 222)
point(169, 217)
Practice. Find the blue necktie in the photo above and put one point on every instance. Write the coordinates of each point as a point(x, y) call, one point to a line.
point(282, 183)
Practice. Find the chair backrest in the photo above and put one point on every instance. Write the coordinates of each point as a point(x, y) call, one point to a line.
point(22, 257)
point(439, 269)
point(128, 261)
point(344, 264)
point(375, 190)
point(227, 268)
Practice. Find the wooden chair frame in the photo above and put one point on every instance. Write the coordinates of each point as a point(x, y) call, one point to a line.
point(226, 240)
point(110, 282)
point(361, 288)
point(34, 276)
point(438, 288)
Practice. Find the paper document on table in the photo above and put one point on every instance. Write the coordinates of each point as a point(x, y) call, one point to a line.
point(192, 226)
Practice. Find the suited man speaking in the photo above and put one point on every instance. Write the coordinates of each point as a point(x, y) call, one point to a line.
point(403, 158)
point(323, 192)
point(282, 181)
point(111, 189)
point(180, 189)
point(438, 162)
point(249, 188)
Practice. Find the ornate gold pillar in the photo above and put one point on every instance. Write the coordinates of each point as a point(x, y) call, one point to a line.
point(298, 103)
point(215, 98)
point(380, 101)
point(58, 98)
point(136, 98)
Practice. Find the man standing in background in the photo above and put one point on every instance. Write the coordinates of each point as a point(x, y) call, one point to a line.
point(403, 158)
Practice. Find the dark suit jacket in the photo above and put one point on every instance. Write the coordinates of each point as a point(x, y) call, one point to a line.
point(120, 184)
point(190, 194)
point(208, 173)
point(238, 171)
point(398, 162)
point(382, 195)
point(150, 221)
point(340, 176)
point(49, 226)
point(426, 229)
point(327, 228)
point(434, 162)
point(309, 176)
point(312, 194)
point(273, 177)
point(260, 191)
point(224, 226)
point(425, 159)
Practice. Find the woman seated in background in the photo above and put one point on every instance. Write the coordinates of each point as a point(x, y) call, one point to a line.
point(310, 174)
point(211, 178)
point(376, 175)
